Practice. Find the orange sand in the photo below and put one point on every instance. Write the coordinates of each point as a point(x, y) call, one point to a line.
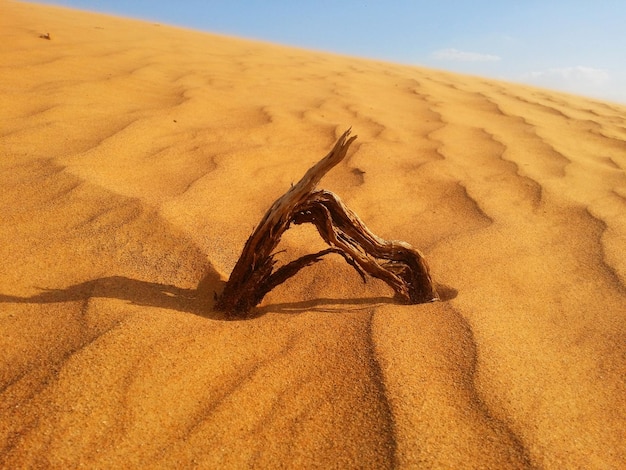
point(137, 158)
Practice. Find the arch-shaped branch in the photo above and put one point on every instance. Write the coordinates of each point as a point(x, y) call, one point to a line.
point(395, 262)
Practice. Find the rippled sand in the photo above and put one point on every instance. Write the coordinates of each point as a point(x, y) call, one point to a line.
point(136, 160)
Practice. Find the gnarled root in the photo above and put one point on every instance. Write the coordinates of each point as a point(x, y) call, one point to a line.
point(395, 262)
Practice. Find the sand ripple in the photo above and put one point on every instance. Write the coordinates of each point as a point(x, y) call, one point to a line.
point(136, 159)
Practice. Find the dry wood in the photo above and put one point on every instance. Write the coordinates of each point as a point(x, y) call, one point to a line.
point(395, 262)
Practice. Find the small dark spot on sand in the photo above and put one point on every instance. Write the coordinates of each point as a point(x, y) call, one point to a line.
point(360, 174)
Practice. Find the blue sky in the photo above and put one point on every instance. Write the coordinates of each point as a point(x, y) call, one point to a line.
point(570, 45)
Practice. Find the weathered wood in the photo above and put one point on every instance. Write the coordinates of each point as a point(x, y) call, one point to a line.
point(395, 262)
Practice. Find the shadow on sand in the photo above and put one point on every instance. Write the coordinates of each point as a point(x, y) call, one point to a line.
point(199, 301)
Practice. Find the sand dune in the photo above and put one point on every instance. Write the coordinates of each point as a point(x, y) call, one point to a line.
point(136, 160)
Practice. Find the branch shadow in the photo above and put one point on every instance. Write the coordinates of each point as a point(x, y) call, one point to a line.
point(325, 305)
point(329, 305)
point(199, 301)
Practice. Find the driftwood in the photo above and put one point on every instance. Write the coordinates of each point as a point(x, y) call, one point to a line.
point(395, 262)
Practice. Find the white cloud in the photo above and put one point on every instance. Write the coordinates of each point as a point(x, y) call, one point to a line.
point(574, 75)
point(581, 80)
point(464, 56)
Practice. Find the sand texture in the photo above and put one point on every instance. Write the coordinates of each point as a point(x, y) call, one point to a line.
point(135, 160)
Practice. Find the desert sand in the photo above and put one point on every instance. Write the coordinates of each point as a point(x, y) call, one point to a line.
point(137, 158)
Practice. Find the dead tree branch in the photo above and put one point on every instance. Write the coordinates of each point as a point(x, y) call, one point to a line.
point(395, 262)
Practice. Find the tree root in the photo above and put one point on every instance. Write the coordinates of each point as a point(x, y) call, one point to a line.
point(401, 266)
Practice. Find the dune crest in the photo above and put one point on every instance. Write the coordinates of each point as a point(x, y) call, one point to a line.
point(136, 159)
